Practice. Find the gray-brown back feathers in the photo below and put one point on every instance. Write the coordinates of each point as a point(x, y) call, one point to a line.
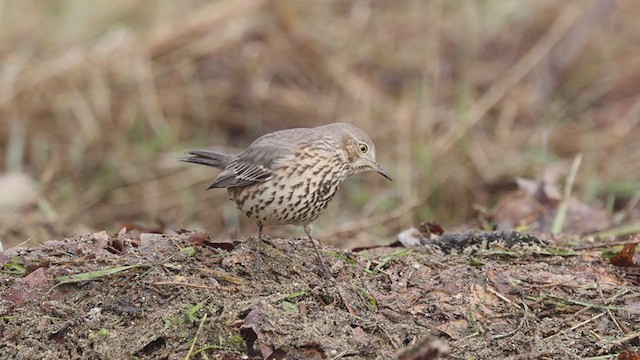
point(258, 161)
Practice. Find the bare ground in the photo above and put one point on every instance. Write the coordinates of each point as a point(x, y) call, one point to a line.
point(152, 296)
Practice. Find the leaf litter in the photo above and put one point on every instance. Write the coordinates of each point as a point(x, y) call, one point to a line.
point(471, 295)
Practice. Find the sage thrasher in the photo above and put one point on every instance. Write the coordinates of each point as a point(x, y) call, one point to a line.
point(288, 177)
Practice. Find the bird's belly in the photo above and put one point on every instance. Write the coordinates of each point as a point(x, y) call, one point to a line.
point(284, 203)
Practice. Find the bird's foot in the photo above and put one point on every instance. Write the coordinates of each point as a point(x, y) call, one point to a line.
point(258, 265)
point(256, 245)
point(339, 295)
point(266, 240)
point(326, 273)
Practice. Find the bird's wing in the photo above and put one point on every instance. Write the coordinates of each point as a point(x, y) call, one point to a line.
point(241, 172)
point(254, 165)
point(266, 154)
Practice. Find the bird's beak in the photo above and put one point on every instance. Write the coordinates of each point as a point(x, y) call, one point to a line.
point(380, 170)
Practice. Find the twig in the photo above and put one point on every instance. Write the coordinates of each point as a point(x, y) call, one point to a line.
point(554, 284)
point(575, 326)
point(524, 309)
point(619, 231)
point(176, 283)
point(613, 318)
point(561, 215)
point(520, 325)
point(503, 298)
point(626, 338)
point(342, 354)
point(195, 338)
point(589, 305)
point(606, 245)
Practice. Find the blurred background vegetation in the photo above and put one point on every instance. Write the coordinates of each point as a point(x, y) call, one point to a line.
point(99, 98)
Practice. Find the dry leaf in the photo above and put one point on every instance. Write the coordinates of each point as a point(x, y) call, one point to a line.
point(535, 206)
point(629, 355)
point(625, 257)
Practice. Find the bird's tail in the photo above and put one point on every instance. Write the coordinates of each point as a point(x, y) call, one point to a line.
point(217, 159)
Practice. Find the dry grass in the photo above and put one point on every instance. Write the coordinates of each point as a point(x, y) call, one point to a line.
point(98, 99)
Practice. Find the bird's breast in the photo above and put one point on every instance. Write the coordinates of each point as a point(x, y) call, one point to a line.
point(296, 194)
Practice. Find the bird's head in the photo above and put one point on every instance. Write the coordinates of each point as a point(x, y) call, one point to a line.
point(361, 153)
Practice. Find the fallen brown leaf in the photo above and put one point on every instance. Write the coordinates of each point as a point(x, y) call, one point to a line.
point(625, 257)
point(629, 355)
point(535, 206)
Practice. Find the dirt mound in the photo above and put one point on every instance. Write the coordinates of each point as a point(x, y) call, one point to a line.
point(153, 296)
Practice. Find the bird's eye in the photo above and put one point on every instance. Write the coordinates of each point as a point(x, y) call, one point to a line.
point(363, 148)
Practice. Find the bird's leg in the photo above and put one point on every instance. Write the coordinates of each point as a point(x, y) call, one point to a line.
point(263, 239)
point(327, 272)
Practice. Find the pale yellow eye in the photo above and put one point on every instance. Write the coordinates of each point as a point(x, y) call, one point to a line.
point(363, 148)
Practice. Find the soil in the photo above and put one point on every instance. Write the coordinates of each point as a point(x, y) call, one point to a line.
point(468, 295)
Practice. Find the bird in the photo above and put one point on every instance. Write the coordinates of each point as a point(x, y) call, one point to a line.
point(289, 177)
